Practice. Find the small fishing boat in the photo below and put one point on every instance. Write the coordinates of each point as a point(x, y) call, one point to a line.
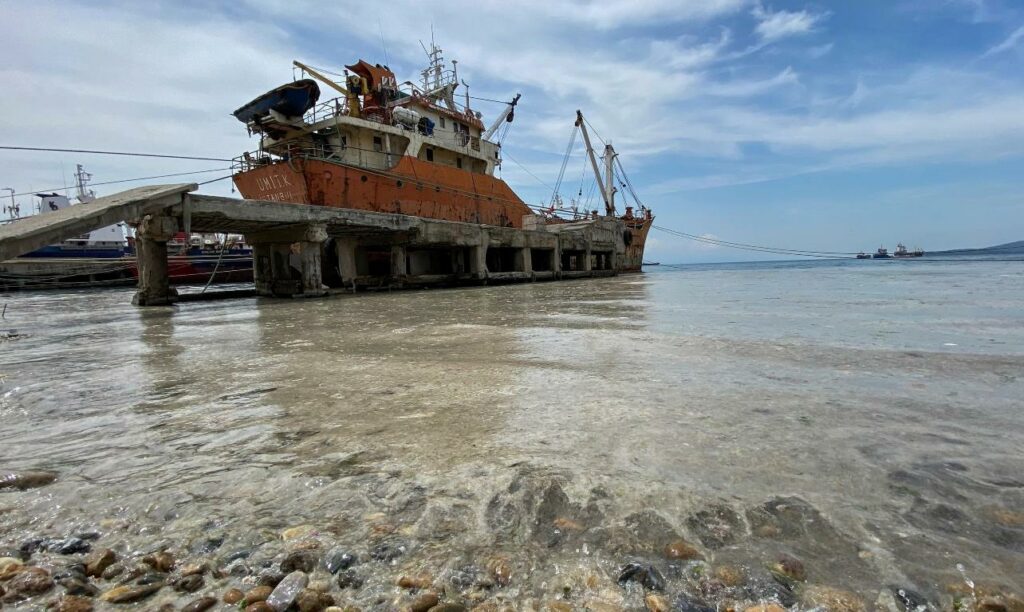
point(882, 253)
point(863, 255)
point(290, 100)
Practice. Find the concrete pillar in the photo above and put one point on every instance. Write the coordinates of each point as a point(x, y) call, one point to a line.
point(399, 266)
point(346, 254)
point(477, 263)
point(287, 262)
point(587, 267)
point(151, 236)
point(263, 268)
point(310, 253)
point(524, 260)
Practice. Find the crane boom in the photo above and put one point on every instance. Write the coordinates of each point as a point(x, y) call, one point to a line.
point(506, 115)
point(606, 190)
point(320, 77)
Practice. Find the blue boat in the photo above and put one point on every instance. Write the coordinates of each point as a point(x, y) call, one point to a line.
point(291, 100)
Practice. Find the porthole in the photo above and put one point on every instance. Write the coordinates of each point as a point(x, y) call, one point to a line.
point(363, 178)
point(399, 183)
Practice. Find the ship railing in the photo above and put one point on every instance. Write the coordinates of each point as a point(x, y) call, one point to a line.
point(370, 159)
point(326, 110)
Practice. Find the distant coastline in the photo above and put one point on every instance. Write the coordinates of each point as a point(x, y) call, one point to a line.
point(1010, 248)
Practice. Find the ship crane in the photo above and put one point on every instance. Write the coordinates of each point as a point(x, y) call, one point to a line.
point(606, 184)
point(507, 115)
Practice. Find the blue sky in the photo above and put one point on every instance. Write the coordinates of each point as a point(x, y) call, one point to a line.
point(829, 126)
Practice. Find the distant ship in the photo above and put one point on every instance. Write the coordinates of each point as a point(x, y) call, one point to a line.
point(901, 251)
point(863, 255)
point(882, 253)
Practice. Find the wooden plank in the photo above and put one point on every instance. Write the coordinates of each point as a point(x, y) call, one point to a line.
point(37, 231)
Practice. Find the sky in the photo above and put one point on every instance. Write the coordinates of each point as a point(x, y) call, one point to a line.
point(833, 126)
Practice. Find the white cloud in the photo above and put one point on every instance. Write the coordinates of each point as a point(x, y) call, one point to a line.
point(1008, 44)
point(774, 26)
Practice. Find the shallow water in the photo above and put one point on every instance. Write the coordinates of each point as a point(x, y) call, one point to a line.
point(568, 426)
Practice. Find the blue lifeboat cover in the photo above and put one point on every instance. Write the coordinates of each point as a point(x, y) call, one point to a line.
point(291, 100)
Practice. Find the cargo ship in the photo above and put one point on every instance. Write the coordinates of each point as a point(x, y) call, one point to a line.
point(410, 149)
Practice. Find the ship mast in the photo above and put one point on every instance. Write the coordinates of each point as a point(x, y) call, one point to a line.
point(82, 178)
point(604, 184)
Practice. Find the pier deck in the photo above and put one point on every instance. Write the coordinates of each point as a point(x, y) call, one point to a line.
point(302, 250)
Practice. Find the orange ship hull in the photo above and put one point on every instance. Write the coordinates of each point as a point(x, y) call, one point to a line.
point(412, 187)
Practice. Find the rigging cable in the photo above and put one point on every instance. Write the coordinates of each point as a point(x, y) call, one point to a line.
point(55, 150)
point(526, 170)
point(754, 247)
point(131, 180)
point(565, 162)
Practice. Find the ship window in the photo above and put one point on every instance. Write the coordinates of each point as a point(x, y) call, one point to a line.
point(430, 154)
point(441, 119)
point(344, 141)
point(378, 144)
point(458, 162)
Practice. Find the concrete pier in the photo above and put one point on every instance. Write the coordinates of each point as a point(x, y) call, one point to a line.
point(310, 251)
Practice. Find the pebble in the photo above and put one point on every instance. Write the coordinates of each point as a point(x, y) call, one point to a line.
point(788, 569)
point(130, 593)
point(233, 596)
point(500, 570)
point(300, 560)
point(28, 582)
point(188, 584)
point(298, 532)
point(152, 578)
point(643, 573)
point(388, 550)
point(79, 586)
point(909, 600)
point(98, 561)
point(260, 593)
point(349, 579)
point(424, 602)
point(338, 559)
point(309, 600)
point(415, 582)
point(113, 571)
point(772, 607)
point(70, 603)
point(685, 603)
point(29, 479)
point(284, 594)
point(270, 577)
point(67, 546)
point(199, 605)
point(656, 603)
point(681, 549)
point(729, 575)
point(449, 606)
point(9, 566)
point(835, 600)
point(193, 569)
point(161, 561)
point(259, 606)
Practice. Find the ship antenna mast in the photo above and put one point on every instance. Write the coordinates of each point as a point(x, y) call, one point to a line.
point(605, 184)
point(82, 179)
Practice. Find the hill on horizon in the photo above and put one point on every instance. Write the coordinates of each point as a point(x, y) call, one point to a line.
point(999, 249)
